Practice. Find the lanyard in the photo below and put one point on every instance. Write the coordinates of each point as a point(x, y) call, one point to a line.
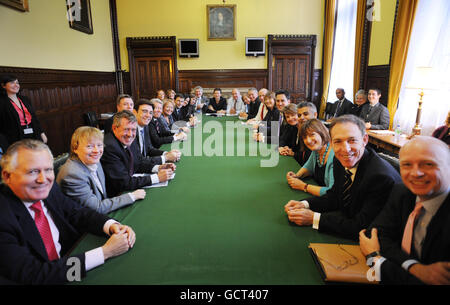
point(21, 108)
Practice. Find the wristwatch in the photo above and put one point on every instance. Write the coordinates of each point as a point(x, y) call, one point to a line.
point(370, 262)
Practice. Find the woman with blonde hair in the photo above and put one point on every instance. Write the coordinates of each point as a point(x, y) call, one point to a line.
point(82, 178)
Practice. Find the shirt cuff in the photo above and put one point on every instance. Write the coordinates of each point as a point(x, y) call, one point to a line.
point(107, 225)
point(316, 221)
point(94, 258)
point(155, 169)
point(163, 159)
point(154, 178)
point(132, 197)
point(305, 204)
point(408, 263)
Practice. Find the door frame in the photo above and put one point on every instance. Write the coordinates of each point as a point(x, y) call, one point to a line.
point(164, 46)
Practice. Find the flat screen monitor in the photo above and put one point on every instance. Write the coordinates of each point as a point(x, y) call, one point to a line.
point(188, 47)
point(255, 46)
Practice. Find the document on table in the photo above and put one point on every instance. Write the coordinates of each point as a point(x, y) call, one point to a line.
point(383, 132)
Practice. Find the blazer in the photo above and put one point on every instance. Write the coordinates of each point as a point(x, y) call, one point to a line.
point(288, 135)
point(150, 151)
point(221, 105)
point(270, 131)
point(10, 123)
point(158, 134)
point(371, 186)
point(346, 108)
point(253, 108)
point(23, 258)
point(378, 116)
point(391, 223)
point(116, 165)
point(75, 181)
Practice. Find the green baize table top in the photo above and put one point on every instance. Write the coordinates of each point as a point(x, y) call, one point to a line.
point(221, 221)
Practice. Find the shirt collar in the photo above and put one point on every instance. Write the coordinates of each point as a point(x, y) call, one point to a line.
point(433, 205)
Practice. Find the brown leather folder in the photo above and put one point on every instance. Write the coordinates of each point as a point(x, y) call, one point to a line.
point(341, 263)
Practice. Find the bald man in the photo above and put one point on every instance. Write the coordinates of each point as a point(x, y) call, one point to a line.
point(424, 255)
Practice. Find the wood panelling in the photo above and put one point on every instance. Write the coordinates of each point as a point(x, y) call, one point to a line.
point(378, 77)
point(60, 97)
point(232, 78)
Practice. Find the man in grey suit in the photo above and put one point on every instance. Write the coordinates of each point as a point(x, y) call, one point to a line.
point(200, 100)
point(374, 113)
point(82, 177)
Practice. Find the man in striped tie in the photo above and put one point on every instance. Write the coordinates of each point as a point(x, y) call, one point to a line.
point(39, 225)
point(410, 239)
point(362, 183)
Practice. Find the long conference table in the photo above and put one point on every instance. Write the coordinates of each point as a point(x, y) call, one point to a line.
point(221, 221)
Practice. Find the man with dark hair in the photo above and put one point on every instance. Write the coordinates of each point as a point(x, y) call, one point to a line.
point(120, 164)
point(375, 114)
point(39, 225)
point(409, 241)
point(342, 105)
point(123, 102)
point(362, 183)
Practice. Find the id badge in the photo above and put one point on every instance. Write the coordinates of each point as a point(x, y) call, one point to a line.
point(28, 130)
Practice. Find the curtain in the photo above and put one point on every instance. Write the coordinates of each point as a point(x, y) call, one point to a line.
point(429, 46)
point(402, 34)
point(344, 50)
point(360, 18)
point(327, 57)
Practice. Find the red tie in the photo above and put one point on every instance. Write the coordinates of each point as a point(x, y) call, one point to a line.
point(409, 228)
point(44, 229)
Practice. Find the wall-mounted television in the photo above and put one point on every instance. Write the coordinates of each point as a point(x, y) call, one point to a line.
point(255, 46)
point(188, 48)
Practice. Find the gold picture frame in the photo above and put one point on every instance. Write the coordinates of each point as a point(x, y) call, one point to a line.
point(221, 22)
point(21, 5)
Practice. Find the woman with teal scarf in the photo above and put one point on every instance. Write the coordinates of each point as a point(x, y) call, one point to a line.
point(320, 163)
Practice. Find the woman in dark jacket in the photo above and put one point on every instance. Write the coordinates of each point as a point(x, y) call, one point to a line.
point(17, 117)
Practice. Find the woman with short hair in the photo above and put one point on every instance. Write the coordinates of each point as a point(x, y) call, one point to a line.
point(82, 178)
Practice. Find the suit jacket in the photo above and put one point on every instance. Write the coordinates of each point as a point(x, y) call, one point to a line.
point(150, 151)
point(116, 165)
point(346, 108)
point(75, 180)
point(371, 186)
point(288, 135)
point(378, 116)
point(23, 258)
point(10, 123)
point(391, 223)
point(253, 108)
point(158, 134)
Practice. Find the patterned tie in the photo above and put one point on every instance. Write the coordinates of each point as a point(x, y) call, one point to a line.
point(142, 143)
point(44, 229)
point(130, 161)
point(347, 187)
point(409, 228)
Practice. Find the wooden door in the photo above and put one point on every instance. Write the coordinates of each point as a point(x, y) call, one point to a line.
point(153, 62)
point(151, 74)
point(291, 65)
point(290, 72)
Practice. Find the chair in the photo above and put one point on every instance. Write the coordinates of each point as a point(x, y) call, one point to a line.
point(329, 111)
point(59, 161)
point(90, 119)
point(391, 160)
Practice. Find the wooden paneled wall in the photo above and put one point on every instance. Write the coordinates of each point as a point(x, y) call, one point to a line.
point(378, 77)
point(60, 97)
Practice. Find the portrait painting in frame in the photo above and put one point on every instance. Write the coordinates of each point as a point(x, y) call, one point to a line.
point(221, 22)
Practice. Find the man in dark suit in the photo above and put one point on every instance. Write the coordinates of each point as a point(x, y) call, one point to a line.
point(410, 239)
point(362, 182)
point(123, 102)
point(253, 107)
point(39, 224)
point(119, 162)
point(144, 114)
point(342, 105)
point(375, 114)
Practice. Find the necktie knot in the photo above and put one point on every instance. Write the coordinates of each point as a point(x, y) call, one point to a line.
point(37, 207)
